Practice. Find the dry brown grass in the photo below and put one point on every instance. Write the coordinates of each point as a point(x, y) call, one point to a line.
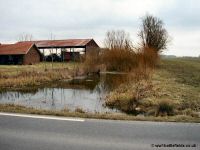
point(140, 67)
point(113, 116)
point(16, 77)
point(173, 90)
point(92, 61)
point(128, 97)
point(128, 60)
point(140, 62)
point(119, 59)
point(147, 58)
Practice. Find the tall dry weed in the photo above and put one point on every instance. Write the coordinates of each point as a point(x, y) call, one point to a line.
point(92, 60)
point(119, 59)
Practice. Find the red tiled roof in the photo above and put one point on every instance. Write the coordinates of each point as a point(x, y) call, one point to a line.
point(15, 49)
point(61, 43)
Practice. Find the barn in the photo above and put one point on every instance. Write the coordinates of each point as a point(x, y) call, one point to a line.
point(19, 53)
point(68, 49)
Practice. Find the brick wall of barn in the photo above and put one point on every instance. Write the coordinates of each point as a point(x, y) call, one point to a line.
point(32, 57)
point(91, 46)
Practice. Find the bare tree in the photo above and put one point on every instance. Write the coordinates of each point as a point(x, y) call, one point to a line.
point(52, 36)
point(153, 34)
point(118, 39)
point(25, 37)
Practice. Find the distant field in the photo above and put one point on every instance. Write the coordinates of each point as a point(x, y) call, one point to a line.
point(185, 70)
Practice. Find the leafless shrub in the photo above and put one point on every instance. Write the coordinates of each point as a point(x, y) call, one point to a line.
point(79, 110)
point(25, 37)
point(165, 107)
point(118, 54)
point(118, 39)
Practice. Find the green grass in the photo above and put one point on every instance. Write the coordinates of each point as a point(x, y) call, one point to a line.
point(180, 80)
point(184, 70)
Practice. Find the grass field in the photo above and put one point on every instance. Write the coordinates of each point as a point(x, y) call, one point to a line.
point(184, 70)
point(178, 80)
point(174, 89)
point(22, 76)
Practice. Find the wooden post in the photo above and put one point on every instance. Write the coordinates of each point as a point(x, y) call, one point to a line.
point(43, 53)
point(85, 53)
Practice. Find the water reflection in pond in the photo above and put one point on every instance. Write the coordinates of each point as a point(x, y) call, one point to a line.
point(86, 93)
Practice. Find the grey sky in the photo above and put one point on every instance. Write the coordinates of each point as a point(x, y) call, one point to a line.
point(92, 18)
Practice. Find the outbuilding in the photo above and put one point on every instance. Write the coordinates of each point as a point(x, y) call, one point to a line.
point(67, 49)
point(19, 53)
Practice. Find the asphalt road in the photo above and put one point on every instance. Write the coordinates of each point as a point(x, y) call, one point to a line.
point(26, 133)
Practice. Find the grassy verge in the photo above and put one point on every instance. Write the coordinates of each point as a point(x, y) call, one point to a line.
point(113, 116)
point(14, 77)
point(174, 89)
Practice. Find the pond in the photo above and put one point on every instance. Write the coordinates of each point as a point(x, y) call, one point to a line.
point(86, 93)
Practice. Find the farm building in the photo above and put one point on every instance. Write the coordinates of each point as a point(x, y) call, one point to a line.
point(69, 49)
point(19, 53)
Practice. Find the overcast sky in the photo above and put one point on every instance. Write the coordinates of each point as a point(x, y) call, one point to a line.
point(92, 18)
